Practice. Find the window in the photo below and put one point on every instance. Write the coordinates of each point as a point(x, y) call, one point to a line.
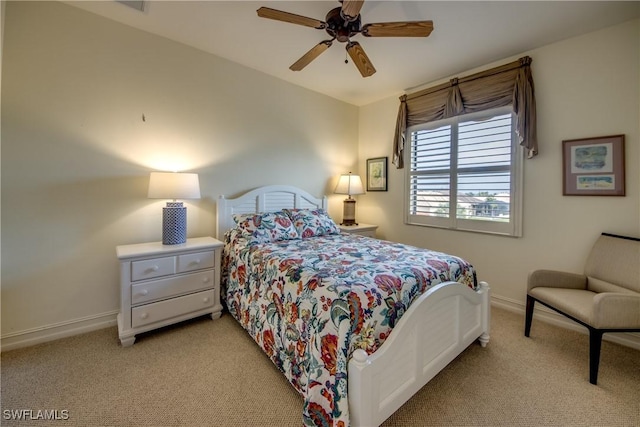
point(465, 173)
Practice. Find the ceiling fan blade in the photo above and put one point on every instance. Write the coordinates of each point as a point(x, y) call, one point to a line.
point(361, 59)
point(311, 55)
point(351, 9)
point(398, 29)
point(278, 15)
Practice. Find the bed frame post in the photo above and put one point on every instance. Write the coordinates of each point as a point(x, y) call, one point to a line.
point(361, 407)
point(220, 213)
point(486, 313)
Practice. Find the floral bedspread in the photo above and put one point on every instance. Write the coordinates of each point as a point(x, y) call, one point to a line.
point(309, 303)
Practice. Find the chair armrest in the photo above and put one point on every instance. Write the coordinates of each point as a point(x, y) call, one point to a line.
point(616, 310)
point(556, 279)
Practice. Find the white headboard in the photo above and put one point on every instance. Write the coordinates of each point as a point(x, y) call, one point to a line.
point(270, 198)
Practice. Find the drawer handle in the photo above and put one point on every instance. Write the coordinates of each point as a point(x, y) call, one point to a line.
point(154, 268)
point(144, 292)
point(196, 262)
point(205, 280)
point(205, 299)
point(144, 315)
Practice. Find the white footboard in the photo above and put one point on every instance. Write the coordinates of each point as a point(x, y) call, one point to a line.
point(437, 327)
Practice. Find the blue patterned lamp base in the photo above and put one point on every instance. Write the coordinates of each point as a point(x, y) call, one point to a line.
point(174, 224)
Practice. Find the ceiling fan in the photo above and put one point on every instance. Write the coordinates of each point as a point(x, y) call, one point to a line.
point(341, 24)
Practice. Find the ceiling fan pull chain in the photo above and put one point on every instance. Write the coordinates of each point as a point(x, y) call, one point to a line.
point(346, 57)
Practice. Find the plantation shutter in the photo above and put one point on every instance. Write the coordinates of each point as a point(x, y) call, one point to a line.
point(461, 173)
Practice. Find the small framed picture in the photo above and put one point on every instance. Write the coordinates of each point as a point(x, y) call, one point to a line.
point(377, 174)
point(593, 166)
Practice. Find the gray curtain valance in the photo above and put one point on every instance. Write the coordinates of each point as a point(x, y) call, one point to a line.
point(509, 84)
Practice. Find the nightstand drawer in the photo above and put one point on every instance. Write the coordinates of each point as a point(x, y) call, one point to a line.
point(150, 268)
point(197, 261)
point(167, 309)
point(368, 233)
point(163, 288)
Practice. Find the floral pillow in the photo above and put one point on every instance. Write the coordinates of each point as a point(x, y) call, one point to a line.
point(310, 223)
point(266, 227)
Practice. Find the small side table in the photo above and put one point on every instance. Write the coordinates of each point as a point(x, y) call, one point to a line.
point(165, 284)
point(368, 230)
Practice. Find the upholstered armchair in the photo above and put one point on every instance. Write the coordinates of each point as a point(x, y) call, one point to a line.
point(606, 298)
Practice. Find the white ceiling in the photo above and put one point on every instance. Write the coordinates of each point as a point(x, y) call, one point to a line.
point(467, 34)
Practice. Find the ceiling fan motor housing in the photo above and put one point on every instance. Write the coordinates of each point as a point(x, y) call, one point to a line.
point(339, 27)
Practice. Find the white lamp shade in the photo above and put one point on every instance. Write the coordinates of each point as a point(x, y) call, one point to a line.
point(173, 185)
point(349, 184)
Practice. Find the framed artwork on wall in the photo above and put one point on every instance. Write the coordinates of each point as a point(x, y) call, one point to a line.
point(593, 166)
point(377, 174)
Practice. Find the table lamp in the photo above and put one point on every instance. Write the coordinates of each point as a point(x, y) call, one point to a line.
point(173, 185)
point(351, 185)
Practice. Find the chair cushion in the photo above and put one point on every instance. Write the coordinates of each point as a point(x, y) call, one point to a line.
point(577, 303)
point(597, 285)
point(614, 261)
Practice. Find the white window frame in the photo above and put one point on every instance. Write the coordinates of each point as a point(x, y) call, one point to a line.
point(511, 228)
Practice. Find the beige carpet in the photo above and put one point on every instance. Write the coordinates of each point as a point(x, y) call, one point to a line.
point(210, 373)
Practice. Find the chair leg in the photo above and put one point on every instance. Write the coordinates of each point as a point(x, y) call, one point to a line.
point(595, 343)
point(528, 315)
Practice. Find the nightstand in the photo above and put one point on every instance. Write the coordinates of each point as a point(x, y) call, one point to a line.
point(164, 284)
point(368, 230)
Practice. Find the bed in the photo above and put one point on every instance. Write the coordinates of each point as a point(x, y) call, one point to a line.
point(357, 325)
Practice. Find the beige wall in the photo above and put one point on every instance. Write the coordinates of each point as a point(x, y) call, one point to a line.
point(76, 153)
point(585, 86)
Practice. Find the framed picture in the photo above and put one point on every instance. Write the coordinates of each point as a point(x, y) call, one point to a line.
point(593, 166)
point(377, 174)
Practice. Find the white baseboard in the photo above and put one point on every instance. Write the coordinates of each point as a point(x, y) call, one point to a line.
point(56, 331)
point(69, 328)
point(628, 339)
